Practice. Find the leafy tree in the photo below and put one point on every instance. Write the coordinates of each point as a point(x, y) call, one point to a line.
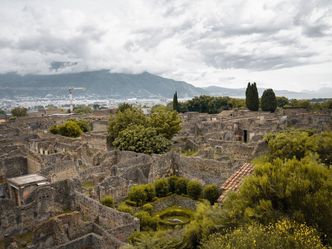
point(194, 189)
point(269, 101)
point(140, 139)
point(162, 187)
point(167, 123)
point(211, 193)
point(252, 99)
point(122, 120)
point(125, 106)
point(107, 200)
point(300, 190)
point(288, 144)
point(19, 111)
point(322, 145)
point(285, 234)
point(298, 143)
point(175, 102)
point(2, 112)
point(282, 101)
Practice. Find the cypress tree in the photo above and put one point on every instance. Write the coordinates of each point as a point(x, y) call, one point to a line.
point(175, 102)
point(255, 97)
point(252, 100)
point(269, 101)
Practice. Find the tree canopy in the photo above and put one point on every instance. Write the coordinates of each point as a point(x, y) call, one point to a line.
point(130, 129)
point(269, 101)
point(252, 99)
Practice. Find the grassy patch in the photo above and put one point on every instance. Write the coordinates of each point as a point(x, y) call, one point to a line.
point(174, 216)
point(189, 153)
point(88, 185)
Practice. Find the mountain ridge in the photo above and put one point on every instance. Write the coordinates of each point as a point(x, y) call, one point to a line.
point(103, 83)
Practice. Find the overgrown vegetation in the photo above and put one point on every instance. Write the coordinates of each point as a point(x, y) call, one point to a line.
point(71, 128)
point(130, 129)
point(208, 104)
point(107, 200)
point(19, 111)
point(286, 203)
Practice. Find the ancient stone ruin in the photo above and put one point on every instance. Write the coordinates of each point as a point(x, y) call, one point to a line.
point(51, 186)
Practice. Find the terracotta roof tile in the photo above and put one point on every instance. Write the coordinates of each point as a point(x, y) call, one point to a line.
point(234, 181)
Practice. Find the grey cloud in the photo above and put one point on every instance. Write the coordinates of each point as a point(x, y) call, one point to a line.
point(256, 62)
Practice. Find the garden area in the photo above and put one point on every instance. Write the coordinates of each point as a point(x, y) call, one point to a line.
point(166, 204)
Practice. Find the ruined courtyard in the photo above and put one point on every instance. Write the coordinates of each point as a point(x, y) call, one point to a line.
point(51, 186)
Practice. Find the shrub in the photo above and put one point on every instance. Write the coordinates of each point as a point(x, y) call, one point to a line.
point(172, 183)
point(19, 111)
point(150, 191)
point(131, 203)
point(148, 208)
point(161, 187)
point(84, 125)
point(137, 194)
point(181, 186)
point(70, 129)
point(211, 193)
point(146, 221)
point(107, 200)
point(194, 189)
point(284, 234)
point(269, 101)
point(123, 207)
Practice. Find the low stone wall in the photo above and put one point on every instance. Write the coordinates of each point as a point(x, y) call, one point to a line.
point(174, 200)
point(90, 240)
point(104, 216)
point(206, 171)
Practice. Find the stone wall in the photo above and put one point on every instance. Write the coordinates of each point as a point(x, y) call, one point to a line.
point(174, 200)
point(108, 218)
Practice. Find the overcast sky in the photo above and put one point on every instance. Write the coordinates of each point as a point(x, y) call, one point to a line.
point(278, 44)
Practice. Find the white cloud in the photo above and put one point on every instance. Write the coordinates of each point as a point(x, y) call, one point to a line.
point(279, 44)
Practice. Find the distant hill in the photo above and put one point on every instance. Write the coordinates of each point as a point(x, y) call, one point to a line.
point(95, 83)
point(102, 83)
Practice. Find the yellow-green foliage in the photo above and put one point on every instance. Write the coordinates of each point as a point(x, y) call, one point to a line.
point(300, 190)
point(107, 200)
point(285, 234)
point(299, 143)
point(123, 207)
point(19, 111)
point(88, 185)
point(130, 129)
point(194, 189)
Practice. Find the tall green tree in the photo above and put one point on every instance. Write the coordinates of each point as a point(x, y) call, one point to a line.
point(165, 121)
point(268, 101)
point(252, 99)
point(124, 119)
point(175, 102)
point(141, 139)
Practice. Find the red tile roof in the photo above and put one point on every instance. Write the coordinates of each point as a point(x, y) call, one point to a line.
point(234, 181)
